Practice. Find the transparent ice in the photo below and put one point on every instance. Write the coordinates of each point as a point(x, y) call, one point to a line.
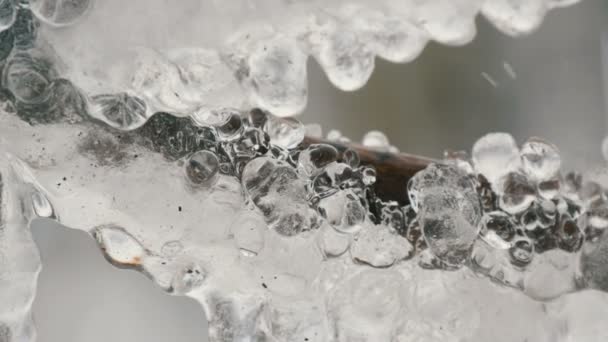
point(138, 133)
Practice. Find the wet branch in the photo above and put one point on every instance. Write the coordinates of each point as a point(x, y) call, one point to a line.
point(393, 170)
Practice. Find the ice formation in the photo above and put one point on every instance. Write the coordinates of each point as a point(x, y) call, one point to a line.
point(146, 146)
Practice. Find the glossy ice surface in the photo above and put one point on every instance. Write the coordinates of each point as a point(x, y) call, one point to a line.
point(140, 139)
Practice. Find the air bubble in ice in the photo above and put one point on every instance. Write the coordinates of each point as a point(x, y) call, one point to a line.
point(498, 229)
point(41, 205)
point(8, 13)
point(121, 111)
point(60, 12)
point(232, 127)
point(27, 77)
point(314, 158)
point(202, 168)
point(540, 160)
point(368, 175)
point(119, 246)
point(522, 252)
point(495, 155)
point(569, 235)
point(285, 132)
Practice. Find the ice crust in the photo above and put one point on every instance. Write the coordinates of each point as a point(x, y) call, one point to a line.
point(139, 137)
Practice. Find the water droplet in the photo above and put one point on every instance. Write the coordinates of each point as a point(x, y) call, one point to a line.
point(376, 140)
point(495, 155)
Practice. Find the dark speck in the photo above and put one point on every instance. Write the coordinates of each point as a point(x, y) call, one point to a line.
point(264, 285)
point(179, 208)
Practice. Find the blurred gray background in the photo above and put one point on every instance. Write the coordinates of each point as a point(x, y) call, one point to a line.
point(439, 101)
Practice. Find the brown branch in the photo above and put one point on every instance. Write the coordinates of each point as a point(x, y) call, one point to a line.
point(394, 170)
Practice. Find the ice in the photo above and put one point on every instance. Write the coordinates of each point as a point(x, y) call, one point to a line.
point(314, 158)
point(516, 192)
point(203, 168)
point(60, 12)
point(285, 132)
point(119, 110)
point(540, 160)
point(250, 54)
point(275, 188)
point(494, 155)
point(449, 236)
point(162, 162)
point(593, 263)
point(498, 229)
point(376, 140)
point(8, 13)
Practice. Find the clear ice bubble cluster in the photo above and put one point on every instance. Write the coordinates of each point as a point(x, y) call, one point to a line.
point(235, 53)
point(280, 238)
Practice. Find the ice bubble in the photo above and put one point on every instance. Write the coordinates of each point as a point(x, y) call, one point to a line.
point(498, 229)
point(521, 252)
point(379, 246)
point(122, 111)
point(449, 236)
point(202, 168)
